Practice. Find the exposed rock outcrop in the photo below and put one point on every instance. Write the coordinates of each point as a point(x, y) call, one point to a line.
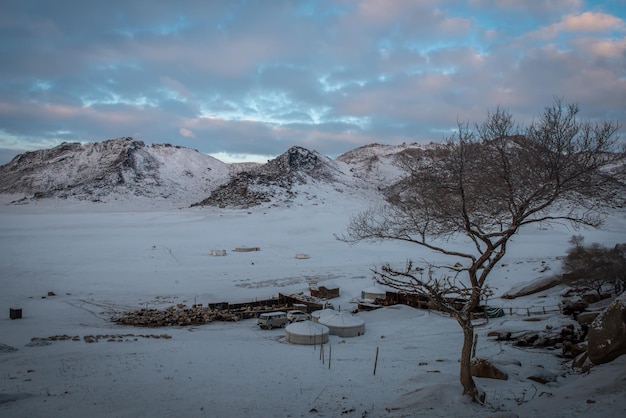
point(607, 333)
point(534, 286)
point(275, 180)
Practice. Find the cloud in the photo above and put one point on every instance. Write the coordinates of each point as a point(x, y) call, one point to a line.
point(257, 77)
point(591, 22)
point(186, 133)
point(580, 23)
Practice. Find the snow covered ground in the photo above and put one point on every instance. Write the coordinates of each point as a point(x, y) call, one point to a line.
point(100, 259)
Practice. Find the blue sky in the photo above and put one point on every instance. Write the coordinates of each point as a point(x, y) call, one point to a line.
point(245, 80)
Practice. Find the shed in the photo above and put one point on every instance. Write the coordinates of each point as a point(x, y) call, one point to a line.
point(373, 293)
point(306, 332)
point(246, 249)
point(324, 292)
point(343, 325)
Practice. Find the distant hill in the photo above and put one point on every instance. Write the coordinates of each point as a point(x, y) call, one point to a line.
point(125, 169)
point(114, 169)
point(278, 180)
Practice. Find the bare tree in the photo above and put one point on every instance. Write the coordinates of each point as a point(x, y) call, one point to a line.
point(486, 183)
point(594, 266)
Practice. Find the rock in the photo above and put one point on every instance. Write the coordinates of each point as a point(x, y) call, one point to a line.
point(540, 375)
point(574, 308)
point(500, 335)
point(594, 297)
point(481, 367)
point(607, 333)
point(534, 286)
point(587, 318)
point(579, 361)
point(587, 365)
point(6, 348)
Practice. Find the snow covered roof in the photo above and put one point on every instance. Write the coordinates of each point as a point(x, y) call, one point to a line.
point(340, 319)
point(307, 328)
point(323, 312)
point(375, 289)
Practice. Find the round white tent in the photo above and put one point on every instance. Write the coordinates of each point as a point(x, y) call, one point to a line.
point(306, 332)
point(316, 315)
point(343, 325)
point(373, 293)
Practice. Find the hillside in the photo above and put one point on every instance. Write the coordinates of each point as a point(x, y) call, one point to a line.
point(280, 180)
point(110, 170)
point(125, 170)
point(122, 170)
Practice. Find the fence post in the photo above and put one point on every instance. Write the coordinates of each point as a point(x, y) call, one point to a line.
point(330, 355)
point(375, 361)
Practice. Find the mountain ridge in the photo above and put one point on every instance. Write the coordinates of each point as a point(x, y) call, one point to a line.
point(125, 168)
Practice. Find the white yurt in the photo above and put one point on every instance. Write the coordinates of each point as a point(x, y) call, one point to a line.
point(316, 315)
point(373, 293)
point(343, 324)
point(306, 332)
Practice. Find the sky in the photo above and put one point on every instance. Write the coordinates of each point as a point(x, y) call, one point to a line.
point(246, 80)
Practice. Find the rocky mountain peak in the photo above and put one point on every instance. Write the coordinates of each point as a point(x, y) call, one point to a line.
point(296, 164)
point(275, 180)
point(298, 158)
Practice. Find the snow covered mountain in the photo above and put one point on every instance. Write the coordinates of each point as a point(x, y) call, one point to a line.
point(126, 169)
point(378, 164)
point(281, 180)
point(300, 175)
point(111, 170)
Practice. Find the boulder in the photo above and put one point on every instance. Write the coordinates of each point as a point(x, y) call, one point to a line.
point(607, 333)
point(587, 318)
point(534, 286)
point(580, 360)
point(539, 374)
point(481, 367)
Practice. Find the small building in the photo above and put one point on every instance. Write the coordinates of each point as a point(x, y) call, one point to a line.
point(373, 292)
point(246, 249)
point(311, 303)
point(416, 300)
point(306, 332)
point(324, 292)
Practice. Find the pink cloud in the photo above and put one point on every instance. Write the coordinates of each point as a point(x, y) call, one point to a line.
point(187, 133)
point(177, 87)
point(591, 22)
point(605, 48)
point(585, 22)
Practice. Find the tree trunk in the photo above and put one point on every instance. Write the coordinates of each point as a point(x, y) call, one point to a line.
point(469, 387)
